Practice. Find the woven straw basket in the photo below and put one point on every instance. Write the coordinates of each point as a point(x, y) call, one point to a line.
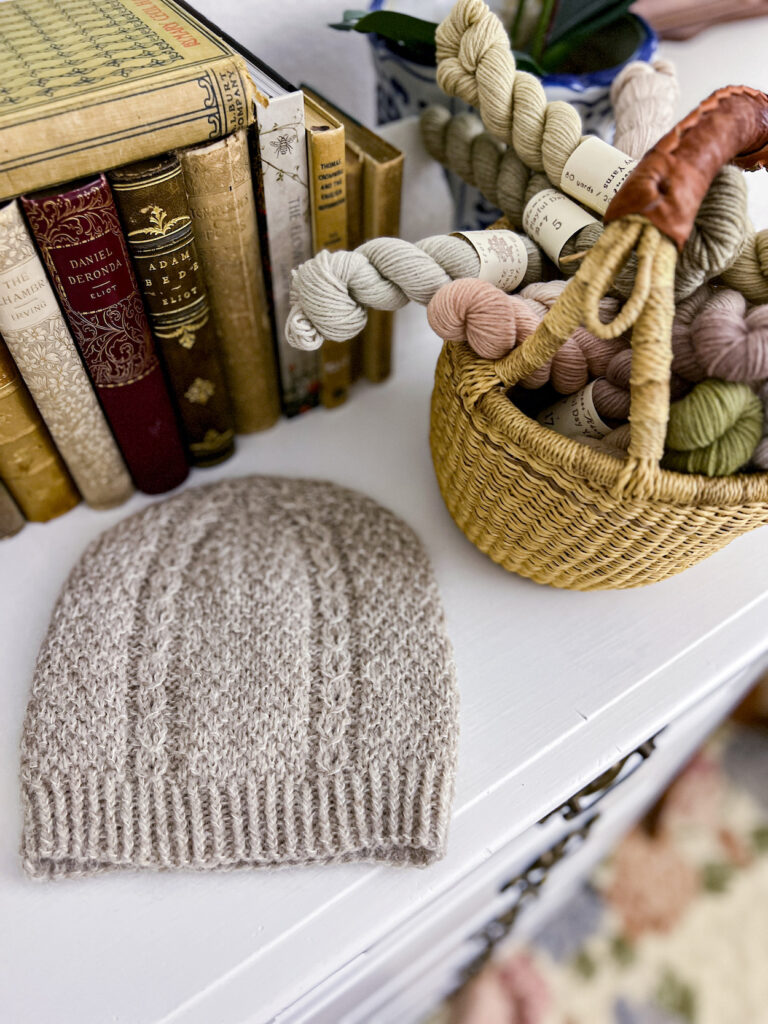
point(558, 511)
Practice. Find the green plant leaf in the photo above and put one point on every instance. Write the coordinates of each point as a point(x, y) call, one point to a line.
point(578, 16)
point(399, 28)
point(541, 32)
point(557, 53)
point(525, 62)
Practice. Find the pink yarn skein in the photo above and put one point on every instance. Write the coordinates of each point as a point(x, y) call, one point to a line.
point(715, 335)
point(493, 323)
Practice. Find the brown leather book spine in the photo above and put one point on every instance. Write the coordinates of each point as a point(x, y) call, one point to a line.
point(11, 519)
point(152, 204)
point(30, 466)
point(80, 239)
point(223, 209)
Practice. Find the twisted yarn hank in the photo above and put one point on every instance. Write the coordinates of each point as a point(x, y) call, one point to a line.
point(713, 430)
point(331, 292)
point(476, 64)
point(460, 144)
point(611, 393)
point(644, 99)
point(493, 323)
point(721, 422)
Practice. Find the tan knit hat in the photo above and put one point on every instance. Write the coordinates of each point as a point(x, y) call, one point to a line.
point(250, 673)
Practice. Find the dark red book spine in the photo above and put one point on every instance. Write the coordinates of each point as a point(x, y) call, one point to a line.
point(80, 239)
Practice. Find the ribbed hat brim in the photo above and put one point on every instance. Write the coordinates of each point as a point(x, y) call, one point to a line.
point(82, 823)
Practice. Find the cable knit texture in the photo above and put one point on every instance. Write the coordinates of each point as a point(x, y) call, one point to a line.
point(250, 673)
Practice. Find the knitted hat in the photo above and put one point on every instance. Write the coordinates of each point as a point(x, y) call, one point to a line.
point(250, 673)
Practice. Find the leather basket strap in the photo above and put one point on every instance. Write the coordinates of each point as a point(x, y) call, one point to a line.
point(669, 183)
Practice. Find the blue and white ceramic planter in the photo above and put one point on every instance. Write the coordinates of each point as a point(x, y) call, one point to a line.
point(404, 88)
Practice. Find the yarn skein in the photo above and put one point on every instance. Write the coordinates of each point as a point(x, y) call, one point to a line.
point(476, 64)
point(493, 323)
point(728, 340)
point(331, 292)
point(460, 144)
point(726, 413)
point(644, 98)
point(713, 430)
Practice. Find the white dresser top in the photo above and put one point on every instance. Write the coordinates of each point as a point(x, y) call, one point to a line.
point(555, 686)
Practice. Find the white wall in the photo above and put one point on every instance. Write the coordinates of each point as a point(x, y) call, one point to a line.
point(292, 36)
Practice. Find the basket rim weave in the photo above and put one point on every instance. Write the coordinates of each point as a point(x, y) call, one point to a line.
point(496, 410)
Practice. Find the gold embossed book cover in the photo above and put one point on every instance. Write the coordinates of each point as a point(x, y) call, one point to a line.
point(88, 86)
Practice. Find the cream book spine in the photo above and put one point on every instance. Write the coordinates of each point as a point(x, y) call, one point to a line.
point(37, 335)
point(223, 209)
point(284, 184)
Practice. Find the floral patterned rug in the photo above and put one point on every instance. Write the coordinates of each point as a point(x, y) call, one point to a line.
point(672, 928)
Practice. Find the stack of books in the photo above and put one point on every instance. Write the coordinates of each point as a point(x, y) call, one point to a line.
point(158, 184)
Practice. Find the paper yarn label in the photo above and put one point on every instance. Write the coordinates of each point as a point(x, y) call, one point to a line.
point(595, 172)
point(575, 416)
point(550, 219)
point(502, 254)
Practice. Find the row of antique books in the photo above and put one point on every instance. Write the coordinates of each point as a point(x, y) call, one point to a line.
point(147, 240)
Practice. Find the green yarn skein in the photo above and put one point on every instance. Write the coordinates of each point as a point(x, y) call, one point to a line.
point(714, 429)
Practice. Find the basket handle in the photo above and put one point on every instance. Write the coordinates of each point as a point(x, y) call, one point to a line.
point(653, 213)
point(671, 180)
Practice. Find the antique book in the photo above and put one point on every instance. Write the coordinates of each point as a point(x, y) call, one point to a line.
point(283, 181)
point(30, 466)
point(79, 236)
point(11, 519)
point(89, 86)
point(152, 203)
point(382, 186)
point(35, 331)
point(223, 208)
point(328, 216)
point(353, 171)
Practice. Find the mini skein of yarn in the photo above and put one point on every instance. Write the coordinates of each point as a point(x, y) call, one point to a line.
point(459, 143)
point(728, 340)
point(611, 392)
point(644, 98)
point(331, 293)
point(493, 323)
point(476, 64)
point(713, 430)
point(727, 419)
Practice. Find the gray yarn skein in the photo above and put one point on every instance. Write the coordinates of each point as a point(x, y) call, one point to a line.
point(332, 292)
point(461, 144)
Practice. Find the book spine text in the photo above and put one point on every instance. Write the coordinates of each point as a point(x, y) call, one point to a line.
point(42, 347)
point(152, 203)
point(91, 86)
point(81, 242)
point(328, 203)
point(284, 185)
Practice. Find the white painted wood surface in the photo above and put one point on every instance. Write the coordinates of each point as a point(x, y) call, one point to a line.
point(555, 687)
